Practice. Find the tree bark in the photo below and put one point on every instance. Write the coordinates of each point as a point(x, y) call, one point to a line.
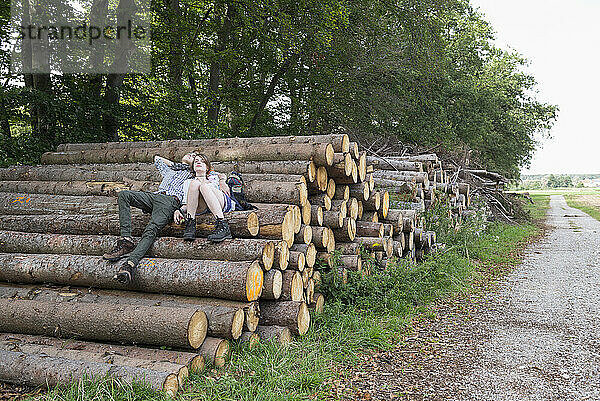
point(166, 247)
point(192, 360)
point(310, 252)
point(318, 303)
point(369, 229)
point(239, 281)
point(175, 327)
point(280, 334)
point(292, 288)
point(297, 261)
point(41, 370)
point(293, 315)
point(273, 285)
point(394, 165)
point(215, 351)
point(347, 232)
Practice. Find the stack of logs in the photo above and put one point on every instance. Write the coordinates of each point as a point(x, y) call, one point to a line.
point(313, 195)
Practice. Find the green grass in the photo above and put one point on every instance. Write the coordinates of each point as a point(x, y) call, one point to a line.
point(591, 210)
point(371, 312)
point(563, 191)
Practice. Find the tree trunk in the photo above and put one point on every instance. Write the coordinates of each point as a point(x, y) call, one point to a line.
point(394, 165)
point(192, 360)
point(215, 351)
point(273, 285)
point(292, 287)
point(320, 153)
point(175, 327)
point(293, 315)
point(166, 247)
point(41, 371)
point(280, 334)
point(333, 219)
point(239, 281)
point(369, 229)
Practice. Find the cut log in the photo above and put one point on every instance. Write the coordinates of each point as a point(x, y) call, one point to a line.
point(279, 334)
point(305, 235)
point(241, 281)
point(310, 252)
point(377, 244)
point(322, 200)
point(385, 204)
point(300, 167)
point(320, 237)
point(322, 179)
point(373, 203)
point(383, 163)
point(360, 191)
point(330, 188)
point(351, 262)
point(192, 360)
point(342, 192)
point(306, 276)
point(292, 288)
point(388, 230)
point(215, 351)
point(24, 203)
point(333, 219)
point(306, 213)
point(309, 291)
point(164, 247)
point(316, 212)
point(41, 370)
point(251, 339)
point(291, 314)
point(369, 215)
point(318, 304)
point(341, 206)
point(180, 371)
point(273, 284)
point(369, 229)
point(361, 210)
point(225, 318)
point(175, 327)
point(348, 248)
point(361, 165)
point(297, 261)
point(395, 217)
point(353, 208)
point(320, 153)
point(282, 255)
point(347, 232)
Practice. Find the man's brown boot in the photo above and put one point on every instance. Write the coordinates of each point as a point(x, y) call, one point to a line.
point(122, 249)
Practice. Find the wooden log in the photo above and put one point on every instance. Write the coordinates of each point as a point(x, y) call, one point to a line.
point(192, 360)
point(322, 178)
point(306, 213)
point(347, 232)
point(388, 230)
point(215, 351)
point(175, 327)
point(273, 285)
point(385, 204)
point(373, 203)
point(353, 208)
point(409, 240)
point(360, 191)
point(281, 224)
point(351, 262)
point(341, 206)
point(361, 165)
point(341, 167)
point(316, 213)
point(291, 314)
point(310, 252)
point(42, 370)
point(370, 215)
point(305, 235)
point(251, 339)
point(342, 192)
point(306, 168)
point(225, 318)
point(331, 240)
point(321, 237)
point(369, 229)
point(24, 203)
point(322, 200)
point(429, 157)
point(165, 247)
point(395, 217)
point(361, 210)
point(354, 150)
point(377, 244)
point(348, 248)
point(279, 334)
point(75, 173)
point(309, 291)
point(297, 261)
point(180, 371)
point(292, 288)
point(383, 163)
point(330, 188)
point(333, 219)
point(318, 304)
point(282, 255)
point(320, 153)
point(241, 281)
point(420, 177)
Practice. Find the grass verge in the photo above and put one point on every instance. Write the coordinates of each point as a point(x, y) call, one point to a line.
point(578, 202)
point(371, 312)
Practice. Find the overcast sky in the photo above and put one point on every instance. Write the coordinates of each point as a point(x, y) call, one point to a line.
point(561, 39)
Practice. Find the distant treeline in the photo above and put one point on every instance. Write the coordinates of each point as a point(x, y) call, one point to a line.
point(423, 72)
point(545, 181)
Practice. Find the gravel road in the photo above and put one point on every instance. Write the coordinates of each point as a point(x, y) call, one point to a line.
point(537, 337)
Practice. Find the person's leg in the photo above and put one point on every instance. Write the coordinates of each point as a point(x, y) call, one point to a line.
point(195, 202)
point(126, 199)
point(214, 199)
point(162, 214)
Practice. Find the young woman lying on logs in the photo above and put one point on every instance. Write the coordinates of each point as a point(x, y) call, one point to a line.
point(163, 205)
point(207, 191)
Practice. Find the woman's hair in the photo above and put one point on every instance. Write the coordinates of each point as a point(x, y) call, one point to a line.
point(206, 162)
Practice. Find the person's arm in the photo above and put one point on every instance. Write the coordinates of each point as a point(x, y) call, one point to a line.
point(223, 184)
point(162, 165)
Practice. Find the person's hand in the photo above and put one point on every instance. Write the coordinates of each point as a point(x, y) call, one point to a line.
point(178, 217)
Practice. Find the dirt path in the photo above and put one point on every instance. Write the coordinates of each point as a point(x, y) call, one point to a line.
point(536, 338)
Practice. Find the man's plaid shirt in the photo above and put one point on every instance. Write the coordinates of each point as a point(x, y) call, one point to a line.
point(173, 178)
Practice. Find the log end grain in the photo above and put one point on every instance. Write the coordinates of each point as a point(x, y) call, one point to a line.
point(318, 303)
point(311, 171)
point(303, 319)
point(322, 179)
point(237, 325)
point(215, 350)
point(197, 364)
point(197, 329)
point(329, 154)
point(171, 385)
point(254, 281)
point(182, 375)
point(306, 213)
point(282, 254)
point(253, 225)
point(268, 255)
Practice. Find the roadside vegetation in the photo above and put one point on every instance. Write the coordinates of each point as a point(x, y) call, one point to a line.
point(372, 312)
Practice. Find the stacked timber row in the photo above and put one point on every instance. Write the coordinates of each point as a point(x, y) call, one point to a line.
point(314, 195)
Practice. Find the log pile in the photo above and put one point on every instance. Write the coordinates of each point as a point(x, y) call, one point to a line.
point(318, 198)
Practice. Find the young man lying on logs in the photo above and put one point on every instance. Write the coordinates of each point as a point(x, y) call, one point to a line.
point(164, 205)
point(206, 192)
